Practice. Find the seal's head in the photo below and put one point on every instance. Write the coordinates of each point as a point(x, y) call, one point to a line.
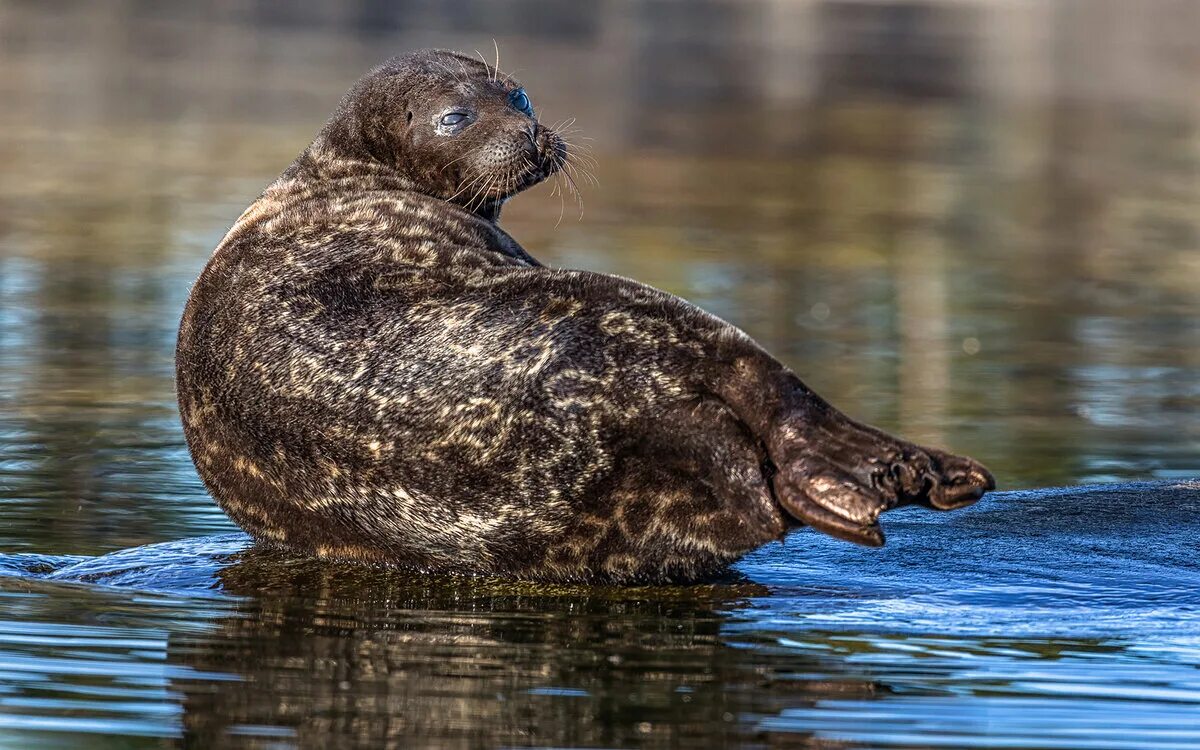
point(452, 126)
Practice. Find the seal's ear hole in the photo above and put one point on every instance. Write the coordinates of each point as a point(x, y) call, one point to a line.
point(408, 118)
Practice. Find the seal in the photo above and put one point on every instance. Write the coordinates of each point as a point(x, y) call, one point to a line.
point(369, 368)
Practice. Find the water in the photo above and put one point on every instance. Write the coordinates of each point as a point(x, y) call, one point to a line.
point(1042, 619)
point(972, 223)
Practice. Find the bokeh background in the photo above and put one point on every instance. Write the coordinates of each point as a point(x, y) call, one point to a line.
point(973, 222)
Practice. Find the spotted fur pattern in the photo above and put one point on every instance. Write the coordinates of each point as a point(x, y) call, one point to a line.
point(370, 368)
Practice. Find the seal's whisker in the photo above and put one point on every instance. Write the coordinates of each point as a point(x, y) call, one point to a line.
point(566, 131)
point(459, 77)
point(562, 199)
point(481, 194)
point(442, 65)
point(577, 171)
point(567, 173)
point(472, 152)
point(458, 59)
point(574, 133)
point(575, 142)
point(557, 188)
point(470, 180)
point(497, 68)
point(481, 185)
point(467, 185)
point(509, 181)
point(487, 190)
point(583, 163)
point(471, 199)
point(580, 157)
point(587, 174)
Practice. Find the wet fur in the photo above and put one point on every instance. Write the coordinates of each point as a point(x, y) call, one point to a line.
point(370, 368)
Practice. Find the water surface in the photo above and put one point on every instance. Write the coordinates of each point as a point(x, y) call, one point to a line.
point(971, 223)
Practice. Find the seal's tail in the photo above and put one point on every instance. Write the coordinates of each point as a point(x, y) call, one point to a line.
point(838, 475)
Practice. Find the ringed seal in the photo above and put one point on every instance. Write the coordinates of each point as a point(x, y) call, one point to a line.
point(369, 368)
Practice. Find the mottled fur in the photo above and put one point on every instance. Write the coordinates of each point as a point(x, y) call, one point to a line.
point(370, 368)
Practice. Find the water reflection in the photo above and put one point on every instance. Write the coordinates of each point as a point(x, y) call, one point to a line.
point(970, 222)
point(1049, 619)
point(456, 664)
point(468, 665)
point(300, 653)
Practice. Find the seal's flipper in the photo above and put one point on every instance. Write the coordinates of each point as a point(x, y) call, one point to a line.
point(962, 481)
point(831, 505)
point(837, 475)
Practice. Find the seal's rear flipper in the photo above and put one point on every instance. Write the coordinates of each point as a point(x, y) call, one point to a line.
point(837, 475)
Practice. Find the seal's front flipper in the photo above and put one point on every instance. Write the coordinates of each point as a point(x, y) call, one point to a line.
point(837, 475)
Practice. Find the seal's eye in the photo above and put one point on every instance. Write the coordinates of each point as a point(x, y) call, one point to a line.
point(520, 101)
point(450, 119)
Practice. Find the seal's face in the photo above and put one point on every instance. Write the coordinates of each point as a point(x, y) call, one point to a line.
point(456, 127)
point(484, 138)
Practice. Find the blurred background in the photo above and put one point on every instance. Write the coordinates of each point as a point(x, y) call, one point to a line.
point(973, 222)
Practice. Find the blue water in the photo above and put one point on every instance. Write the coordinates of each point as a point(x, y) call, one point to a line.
point(1041, 619)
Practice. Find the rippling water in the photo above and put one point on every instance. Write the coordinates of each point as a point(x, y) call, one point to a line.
point(1050, 619)
point(972, 223)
